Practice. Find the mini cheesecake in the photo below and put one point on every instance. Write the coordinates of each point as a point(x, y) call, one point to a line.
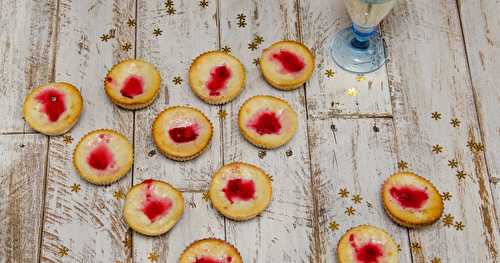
point(182, 133)
point(240, 191)
point(287, 65)
point(210, 250)
point(267, 122)
point(132, 84)
point(153, 207)
point(367, 244)
point(53, 108)
point(411, 200)
point(103, 157)
point(216, 77)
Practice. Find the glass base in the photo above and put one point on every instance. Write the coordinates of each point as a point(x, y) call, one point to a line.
point(355, 59)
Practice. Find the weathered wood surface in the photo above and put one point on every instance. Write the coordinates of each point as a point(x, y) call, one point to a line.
point(26, 55)
point(481, 28)
point(22, 187)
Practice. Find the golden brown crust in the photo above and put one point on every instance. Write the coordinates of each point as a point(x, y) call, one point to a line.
point(232, 248)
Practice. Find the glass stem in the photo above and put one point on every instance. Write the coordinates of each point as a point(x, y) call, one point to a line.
point(362, 36)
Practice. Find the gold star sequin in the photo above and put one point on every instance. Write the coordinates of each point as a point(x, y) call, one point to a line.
point(436, 115)
point(205, 197)
point(126, 47)
point(479, 147)
point(446, 196)
point(177, 80)
point(75, 188)
point(157, 32)
point(455, 122)
point(350, 211)
point(399, 248)
point(67, 139)
point(437, 148)
point(204, 3)
point(329, 73)
point(105, 37)
point(153, 256)
point(416, 246)
point(62, 251)
point(169, 3)
point(252, 46)
point(333, 226)
point(118, 195)
point(343, 193)
point(357, 199)
point(241, 20)
point(271, 178)
point(436, 260)
point(131, 22)
point(459, 226)
point(369, 204)
point(289, 153)
point(353, 92)
point(222, 114)
point(226, 49)
point(256, 61)
point(360, 78)
point(453, 163)
point(127, 242)
point(171, 11)
point(460, 175)
point(402, 165)
point(258, 39)
point(448, 220)
point(262, 154)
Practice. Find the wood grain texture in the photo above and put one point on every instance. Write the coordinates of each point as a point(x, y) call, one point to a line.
point(88, 223)
point(22, 175)
point(284, 232)
point(326, 95)
point(481, 28)
point(433, 76)
point(26, 55)
point(352, 155)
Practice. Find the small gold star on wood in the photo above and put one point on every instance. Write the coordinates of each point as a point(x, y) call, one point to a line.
point(62, 251)
point(357, 199)
point(353, 92)
point(271, 178)
point(455, 122)
point(350, 211)
point(436, 260)
point(446, 196)
point(205, 197)
point(157, 32)
point(256, 61)
point(329, 73)
point(360, 78)
point(67, 139)
point(118, 195)
point(75, 188)
point(169, 3)
point(204, 3)
point(222, 114)
point(369, 204)
point(453, 163)
point(226, 49)
point(171, 11)
point(258, 39)
point(241, 20)
point(437, 148)
point(177, 80)
point(416, 246)
point(333, 226)
point(343, 193)
point(262, 154)
point(153, 256)
point(131, 22)
point(459, 226)
point(289, 153)
point(448, 220)
point(475, 147)
point(105, 37)
point(402, 165)
point(436, 115)
point(399, 248)
point(126, 47)
point(252, 46)
point(127, 242)
point(460, 175)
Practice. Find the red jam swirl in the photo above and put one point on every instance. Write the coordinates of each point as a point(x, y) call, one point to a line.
point(100, 157)
point(184, 134)
point(239, 189)
point(290, 62)
point(154, 207)
point(266, 123)
point(133, 87)
point(206, 259)
point(368, 253)
point(409, 197)
point(219, 77)
point(52, 102)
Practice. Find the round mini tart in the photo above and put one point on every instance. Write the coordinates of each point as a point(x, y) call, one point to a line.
point(153, 207)
point(53, 108)
point(217, 77)
point(132, 84)
point(367, 244)
point(210, 250)
point(287, 65)
point(267, 122)
point(182, 133)
point(240, 191)
point(411, 200)
point(103, 157)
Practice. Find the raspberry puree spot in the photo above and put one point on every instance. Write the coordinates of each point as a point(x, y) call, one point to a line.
point(218, 79)
point(154, 207)
point(53, 103)
point(291, 62)
point(239, 189)
point(100, 157)
point(133, 87)
point(409, 197)
point(266, 123)
point(184, 134)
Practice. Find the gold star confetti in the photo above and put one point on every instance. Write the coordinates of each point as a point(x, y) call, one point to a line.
point(360, 78)
point(258, 39)
point(206, 198)
point(369, 204)
point(157, 32)
point(126, 47)
point(399, 248)
point(226, 49)
point(436, 260)
point(241, 20)
point(436, 115)
point(222, 114)
point(153, 256)
point(131, 22)
point(256, 61)
point(271, 178)
point(357, 199)
point(333, 226)
point(459, 226)
point(75, 188)
point(460, 175)
point(446, 196)
point(62, 251)
point(343, 193)
point(455, 122)
point(118, 195)
point(329, 73)
point(127, 242)
point(169, 3)
point(289, 153)
point(252, 46)
point(448, 220)
point(105, 37)
point(453, 163)
point(416, 246)
point(177, 80)
point(437, 148)
point(171, 11)
point(353, 92)
point(67, 139)
point(262, 154)
point(112, 33)
point(204, 3)
point(402, 165)
point(471, 144)
point(479, 147)
point(350, 211)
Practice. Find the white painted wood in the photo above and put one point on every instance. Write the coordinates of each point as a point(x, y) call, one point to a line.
point(284, 232)
point(22, 182)
point(430, 75)
point(26, 55)
point(326, 96)
point(88, 223)
point(481, 28)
